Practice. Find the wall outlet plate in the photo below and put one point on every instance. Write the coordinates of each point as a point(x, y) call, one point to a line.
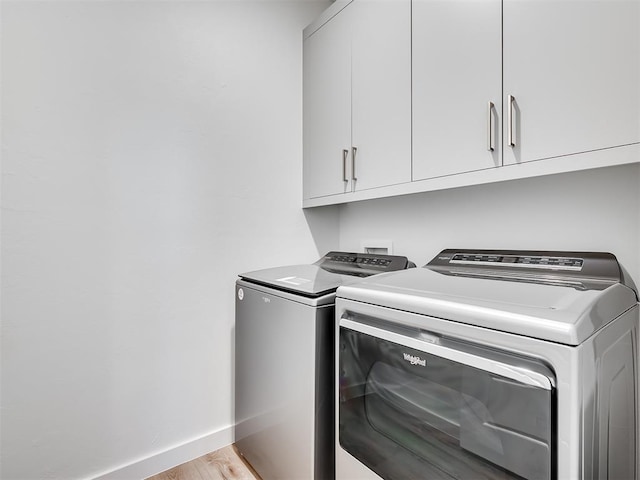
point(377, 246)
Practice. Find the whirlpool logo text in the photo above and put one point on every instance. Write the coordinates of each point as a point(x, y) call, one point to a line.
point(413, 360)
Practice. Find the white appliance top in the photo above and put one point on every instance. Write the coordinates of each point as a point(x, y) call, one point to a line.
point(561, 297)
point(327, 274)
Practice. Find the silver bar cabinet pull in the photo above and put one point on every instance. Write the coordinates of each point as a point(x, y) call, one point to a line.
point(490, 146)
point(354, 150)
point(510, 137)
point(345, 153)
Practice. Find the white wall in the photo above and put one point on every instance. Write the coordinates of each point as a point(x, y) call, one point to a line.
point(596, 210)
point(151, 151)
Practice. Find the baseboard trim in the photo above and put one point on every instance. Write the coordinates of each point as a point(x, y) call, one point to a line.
point(171, 457)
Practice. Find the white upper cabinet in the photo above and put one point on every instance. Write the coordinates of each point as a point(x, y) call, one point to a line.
point(327, 108)
point(357, 99)
point(381, 93)
point(571, 68)
point(404, 96)
point(457, 86)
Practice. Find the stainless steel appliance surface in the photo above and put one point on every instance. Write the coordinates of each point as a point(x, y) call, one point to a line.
point(284, 362)
point(489, 364)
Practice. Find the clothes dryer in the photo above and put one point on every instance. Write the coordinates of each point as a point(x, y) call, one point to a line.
point(489, 364)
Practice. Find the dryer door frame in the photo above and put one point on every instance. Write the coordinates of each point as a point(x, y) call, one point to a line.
point(412, 401)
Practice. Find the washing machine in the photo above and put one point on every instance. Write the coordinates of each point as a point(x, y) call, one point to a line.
point(284, 362)
point(488, 364)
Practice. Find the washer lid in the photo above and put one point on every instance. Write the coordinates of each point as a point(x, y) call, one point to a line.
point(328, 273)
point(307, 280)
point(558, 311)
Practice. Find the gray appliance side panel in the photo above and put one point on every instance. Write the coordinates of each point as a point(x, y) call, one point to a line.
point(276, 409)
point(610, 396)
point(324, 393)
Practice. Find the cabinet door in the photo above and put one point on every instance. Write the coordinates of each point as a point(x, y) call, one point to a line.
point(327, 108)
point(573, 69)
point(381, 92)
point(457, 71)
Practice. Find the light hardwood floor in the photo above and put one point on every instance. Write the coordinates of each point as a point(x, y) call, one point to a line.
point(223, 464)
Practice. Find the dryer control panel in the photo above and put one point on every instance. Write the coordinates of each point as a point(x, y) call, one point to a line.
point(548, 262)
point(587, 270)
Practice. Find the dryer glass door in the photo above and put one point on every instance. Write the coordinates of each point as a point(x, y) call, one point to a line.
point(414, 405)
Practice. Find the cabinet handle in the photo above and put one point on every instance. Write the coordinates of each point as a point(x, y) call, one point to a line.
point(490, 143)
point(345, 153)
point(510, 137)
point(353, 162)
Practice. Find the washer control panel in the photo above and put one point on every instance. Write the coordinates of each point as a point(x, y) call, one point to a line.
point(362, 264)
point(359, 260)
